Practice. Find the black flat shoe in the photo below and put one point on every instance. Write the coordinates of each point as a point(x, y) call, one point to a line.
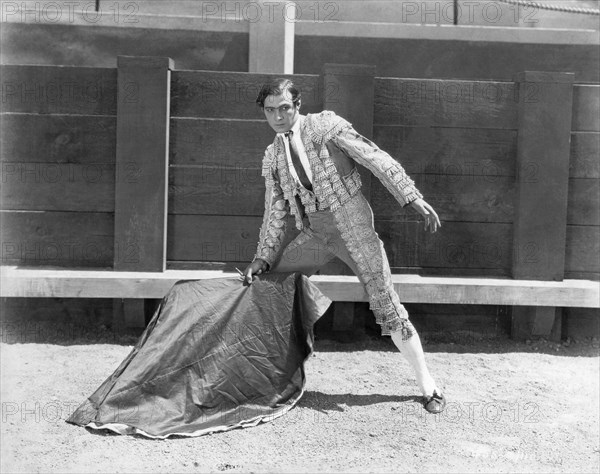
point(434, 404)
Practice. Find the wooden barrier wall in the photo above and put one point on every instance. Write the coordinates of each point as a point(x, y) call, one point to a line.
point(457, 139)
point(583, 212)
point(58, 166)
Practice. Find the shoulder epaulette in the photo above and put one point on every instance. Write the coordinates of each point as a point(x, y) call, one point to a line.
point(325, 125)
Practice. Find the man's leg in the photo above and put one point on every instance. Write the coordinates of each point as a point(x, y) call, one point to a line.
point(413, 352)
point(364, 253)
point(305, 254)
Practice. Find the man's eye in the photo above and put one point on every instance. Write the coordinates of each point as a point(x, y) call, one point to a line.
point(286, 108)
point(269, 110)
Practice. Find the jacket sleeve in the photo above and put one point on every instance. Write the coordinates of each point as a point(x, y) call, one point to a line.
point(272, 231)
point(381, 164)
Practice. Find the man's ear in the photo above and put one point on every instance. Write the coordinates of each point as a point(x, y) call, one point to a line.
point(298, 103)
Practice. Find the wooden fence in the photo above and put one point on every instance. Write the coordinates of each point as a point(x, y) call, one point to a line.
point(457, 139)
point(145, 167)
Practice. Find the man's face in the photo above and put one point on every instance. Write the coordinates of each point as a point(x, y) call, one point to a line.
point(281, 112)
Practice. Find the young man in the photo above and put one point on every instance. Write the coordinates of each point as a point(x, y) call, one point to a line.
point(310, 172)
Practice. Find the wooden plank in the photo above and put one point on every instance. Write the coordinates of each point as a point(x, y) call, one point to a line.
point(430, 102)
point(143, 138)
point(457, 245)
point(212, 238)
point(216, 191)
point(584, 202)
point(61, 90)
point(232, 94)
point(58, 138)
point(578, 275)
point(58, 186)
point(68, 239)
point(543, 143)
point(227, 143)
point(473, 198)
point(583, 249)
point(586, 103)
point(35, 282)
point(585, 149)
point(444, 290)
point(450, 151)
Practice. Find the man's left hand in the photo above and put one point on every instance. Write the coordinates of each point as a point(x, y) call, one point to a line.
point(432, 221)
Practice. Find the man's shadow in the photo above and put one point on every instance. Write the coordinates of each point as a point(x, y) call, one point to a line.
point(327, 402)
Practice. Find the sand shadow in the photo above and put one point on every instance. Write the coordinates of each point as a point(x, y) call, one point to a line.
point(335, 402)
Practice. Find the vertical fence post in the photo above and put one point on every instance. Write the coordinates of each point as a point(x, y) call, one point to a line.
point(141, 174)
point(542, 174)
point(271, 38)
point(349, 91)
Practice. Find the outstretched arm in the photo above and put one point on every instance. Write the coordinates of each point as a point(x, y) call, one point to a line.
point(388, 171)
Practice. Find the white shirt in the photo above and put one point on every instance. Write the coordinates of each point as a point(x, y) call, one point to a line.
point(301, 152)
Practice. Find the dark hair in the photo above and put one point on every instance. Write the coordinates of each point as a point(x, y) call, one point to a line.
point(278, 87)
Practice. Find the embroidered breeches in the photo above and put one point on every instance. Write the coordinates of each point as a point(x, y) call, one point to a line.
point(349, 234)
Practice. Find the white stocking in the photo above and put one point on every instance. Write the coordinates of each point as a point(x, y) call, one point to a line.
point(413, 352)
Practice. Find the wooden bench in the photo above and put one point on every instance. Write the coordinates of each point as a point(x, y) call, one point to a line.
point(34, 282)
point(93, 283)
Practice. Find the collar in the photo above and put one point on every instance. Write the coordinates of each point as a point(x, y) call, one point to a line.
point(295, 128)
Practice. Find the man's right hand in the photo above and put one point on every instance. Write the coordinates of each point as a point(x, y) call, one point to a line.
point(257, 267)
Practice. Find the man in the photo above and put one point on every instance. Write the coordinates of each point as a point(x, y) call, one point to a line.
point(310, 172)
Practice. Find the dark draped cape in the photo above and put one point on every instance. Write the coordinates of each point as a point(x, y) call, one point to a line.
point(216, 355)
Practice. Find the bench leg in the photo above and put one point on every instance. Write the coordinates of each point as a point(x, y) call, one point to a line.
point(536, 321)
point(128, 313)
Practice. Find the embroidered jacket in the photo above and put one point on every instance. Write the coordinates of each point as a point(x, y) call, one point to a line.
point(330, 142)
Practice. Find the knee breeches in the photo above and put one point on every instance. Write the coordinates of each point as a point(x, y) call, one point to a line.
point(349, 234)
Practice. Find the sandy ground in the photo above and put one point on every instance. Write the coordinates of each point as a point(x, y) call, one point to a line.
point(513, 407)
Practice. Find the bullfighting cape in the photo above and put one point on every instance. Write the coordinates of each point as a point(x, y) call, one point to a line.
point(216, 355)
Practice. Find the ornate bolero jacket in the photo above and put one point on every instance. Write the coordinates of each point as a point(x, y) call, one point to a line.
point(333, 147)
